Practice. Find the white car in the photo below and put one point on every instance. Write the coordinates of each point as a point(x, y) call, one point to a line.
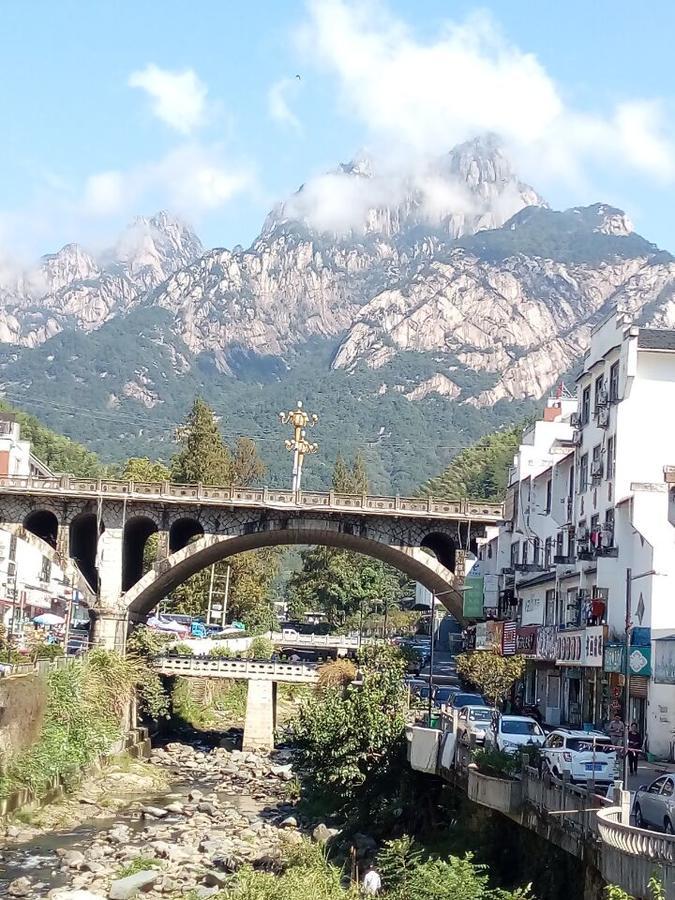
point(580, 755)
point(509, 733)
point(474, 720)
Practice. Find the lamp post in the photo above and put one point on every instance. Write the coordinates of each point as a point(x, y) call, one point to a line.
point(298, 444)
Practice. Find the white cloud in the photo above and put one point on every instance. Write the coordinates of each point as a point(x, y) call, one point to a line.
point(278, 102)
point(178, 98)
point(421, 97)
point(104, 194)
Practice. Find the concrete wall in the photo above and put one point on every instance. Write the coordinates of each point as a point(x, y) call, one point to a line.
point(22, 706)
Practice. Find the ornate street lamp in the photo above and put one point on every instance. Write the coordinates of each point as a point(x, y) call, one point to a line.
point(299, 445)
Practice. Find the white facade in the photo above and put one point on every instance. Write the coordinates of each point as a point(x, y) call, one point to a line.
point(587, 509)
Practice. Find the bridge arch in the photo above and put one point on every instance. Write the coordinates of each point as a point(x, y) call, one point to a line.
point(44, 524)
point(183, 531)
point(137, 530)
point(166, 575)
point(83, 541)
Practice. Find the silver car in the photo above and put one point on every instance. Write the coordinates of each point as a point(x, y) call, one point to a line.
point(654, 805)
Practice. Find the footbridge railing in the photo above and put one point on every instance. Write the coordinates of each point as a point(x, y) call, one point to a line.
point(236, 669)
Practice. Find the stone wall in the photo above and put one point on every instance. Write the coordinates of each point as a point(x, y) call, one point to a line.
point(22, 706)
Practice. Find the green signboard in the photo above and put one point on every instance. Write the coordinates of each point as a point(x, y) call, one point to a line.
point(639, 659)
point(473, 597)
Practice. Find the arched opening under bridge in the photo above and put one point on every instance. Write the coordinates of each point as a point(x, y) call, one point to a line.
point(83, 544)
point(43, 524)
point(137, 530)
point(416, 562)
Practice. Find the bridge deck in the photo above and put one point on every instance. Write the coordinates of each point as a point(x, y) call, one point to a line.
point(236, 669)
point(267, 498)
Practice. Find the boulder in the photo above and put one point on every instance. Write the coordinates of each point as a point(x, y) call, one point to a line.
point(123, 888)
point(289, 822)
point(73, 859)
point(322, 833)
point(20, 887)
point(154, 812)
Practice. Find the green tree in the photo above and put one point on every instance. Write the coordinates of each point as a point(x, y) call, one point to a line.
point(493, 674)
point(479, 472)
point(140, 468)
point(247, 467)
point(204, 456)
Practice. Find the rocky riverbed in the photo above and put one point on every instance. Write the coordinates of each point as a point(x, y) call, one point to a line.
point(210, 811)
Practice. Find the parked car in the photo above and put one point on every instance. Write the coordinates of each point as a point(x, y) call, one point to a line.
point(581, 755)
point(511, 732)
point(474, 721)
point(462, 698)
point(654, 805)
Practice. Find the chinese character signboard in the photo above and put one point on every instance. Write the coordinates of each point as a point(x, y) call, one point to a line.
point(547, 643)
point(664, 660)
point(570, 647)
point(473, 597)
point(526, 640)
point(614, 658)
point(594, 640)
point(509, 639)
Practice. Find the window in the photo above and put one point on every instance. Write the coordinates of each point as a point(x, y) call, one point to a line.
point(611, 457)
point(583, 474)
point(549, 613)
point(655, 786)
point(536, 551)
point(489, 549)
point(515, 726)
point(12, 547)
point(586, 405)
point(549, 495)
point(559, 544)
point(547, 552)
point(609, 525)
point(614, 383)
point(515, 552)
point(668, 788)
point(46, 570)
point(525, 549)
point(597, 392)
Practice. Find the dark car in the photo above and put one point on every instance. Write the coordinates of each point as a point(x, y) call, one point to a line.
point(464, 699)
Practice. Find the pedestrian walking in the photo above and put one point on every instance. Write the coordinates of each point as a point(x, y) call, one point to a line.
point(372, 883)
point(634, 747)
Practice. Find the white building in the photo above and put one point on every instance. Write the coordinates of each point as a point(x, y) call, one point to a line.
point(588, 513)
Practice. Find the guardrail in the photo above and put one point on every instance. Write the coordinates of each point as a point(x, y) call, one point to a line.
point(320, 640)
point(41, 666)
point(167, 491)
point(247, 669)
point(634, 841)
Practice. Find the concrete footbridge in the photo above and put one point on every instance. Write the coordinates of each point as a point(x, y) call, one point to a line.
point(97, 530)
point(261, 697)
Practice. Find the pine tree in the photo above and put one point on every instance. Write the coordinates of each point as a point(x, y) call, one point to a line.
point(342, 476)
point(359, 475)
point(247, 467)
point(204, 457)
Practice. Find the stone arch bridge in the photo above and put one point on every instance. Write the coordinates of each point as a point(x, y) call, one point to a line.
point(99, 529)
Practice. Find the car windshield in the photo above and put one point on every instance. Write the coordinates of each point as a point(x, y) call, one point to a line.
point(585, 745)
point(480, 715)
point(468, 700)
point(519, 727)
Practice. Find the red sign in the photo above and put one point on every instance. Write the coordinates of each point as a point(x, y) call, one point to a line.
point(526, 640)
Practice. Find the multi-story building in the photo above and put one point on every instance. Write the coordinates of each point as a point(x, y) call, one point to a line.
point(588, 542)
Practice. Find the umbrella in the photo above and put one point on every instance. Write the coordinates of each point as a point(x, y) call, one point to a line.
point(49, 619)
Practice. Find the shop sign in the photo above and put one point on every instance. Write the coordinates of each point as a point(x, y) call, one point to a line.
point(533, 610)
point(640, 661)
point(509, 639)
point(470, 637)
point(547, 643)
point(481, 635)
point(526, 640)
point(570, 647)
point(613, 658)
point(473, 597)
point(495, 633)
point(594, 644)
point(581, 646)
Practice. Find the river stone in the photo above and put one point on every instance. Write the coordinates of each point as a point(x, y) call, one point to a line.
point(20, 887)
point(289, 822)
point(195, 795)
point(155, 812)
point(73, 859)
point(206, 808)
point(322, 834)
point(123, 888)
point(175, 808)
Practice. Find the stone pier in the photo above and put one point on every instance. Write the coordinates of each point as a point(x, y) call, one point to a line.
point(261, 708)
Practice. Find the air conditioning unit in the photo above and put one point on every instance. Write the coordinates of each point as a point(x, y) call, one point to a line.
point(603, 416)
point(575, 420)
point(602, 397)
point(11, 568)
point(577, 436)
point(596, 468)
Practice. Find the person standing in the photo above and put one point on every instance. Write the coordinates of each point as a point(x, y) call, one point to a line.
point(634, 747)
point(616, 730)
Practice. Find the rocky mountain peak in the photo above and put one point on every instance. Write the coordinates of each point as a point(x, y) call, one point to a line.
point(56, 270)
point(150, 249)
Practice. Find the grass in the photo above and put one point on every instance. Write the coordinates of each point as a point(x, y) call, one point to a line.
point(138, 864)
point(204, 702)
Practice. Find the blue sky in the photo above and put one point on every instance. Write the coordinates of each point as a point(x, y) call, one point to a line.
point(112, 110)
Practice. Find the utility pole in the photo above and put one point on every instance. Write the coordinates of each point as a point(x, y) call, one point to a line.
point(298, 444)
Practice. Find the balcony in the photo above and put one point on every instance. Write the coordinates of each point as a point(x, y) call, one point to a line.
point(560, 559)
point(527, 567)
point(585, 551)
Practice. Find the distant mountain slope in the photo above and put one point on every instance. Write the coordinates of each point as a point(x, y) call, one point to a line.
point(415, 313)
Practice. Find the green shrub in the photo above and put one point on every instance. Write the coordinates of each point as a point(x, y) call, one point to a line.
point(182, 650)
point(221, 653)
point(261, 648)
point(50, 651)
point(497, 763)
point(138, 864)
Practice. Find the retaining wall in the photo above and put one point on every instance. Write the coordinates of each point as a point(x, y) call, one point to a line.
point(22, 706)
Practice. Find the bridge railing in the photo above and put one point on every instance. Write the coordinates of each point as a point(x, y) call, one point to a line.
point(634, 841)
point(142, 490)
point(236, 668)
